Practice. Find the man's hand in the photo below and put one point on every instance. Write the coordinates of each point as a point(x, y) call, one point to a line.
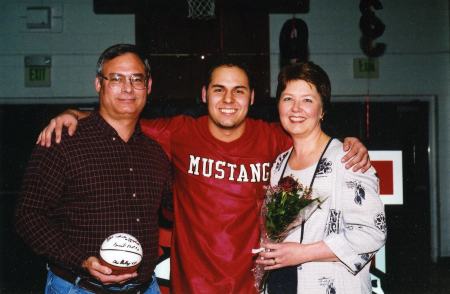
point(68, 118)
point(357, 155)
point(103, 273)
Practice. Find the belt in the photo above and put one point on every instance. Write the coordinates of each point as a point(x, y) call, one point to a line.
point(97, 287)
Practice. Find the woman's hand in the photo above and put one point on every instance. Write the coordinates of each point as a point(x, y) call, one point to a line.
point(283, 254)
point(279, 255)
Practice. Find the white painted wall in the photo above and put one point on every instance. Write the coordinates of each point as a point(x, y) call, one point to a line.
point(416, 63)
point(74, 45)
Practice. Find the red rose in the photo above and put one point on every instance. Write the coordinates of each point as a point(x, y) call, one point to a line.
point(288, 184)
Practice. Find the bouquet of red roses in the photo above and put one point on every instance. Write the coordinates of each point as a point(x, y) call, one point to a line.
point(286, 206)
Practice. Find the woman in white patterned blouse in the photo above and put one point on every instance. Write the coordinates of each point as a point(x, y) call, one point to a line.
point(331, 252)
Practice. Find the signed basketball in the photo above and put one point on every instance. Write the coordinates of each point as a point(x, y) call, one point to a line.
point(121, 252)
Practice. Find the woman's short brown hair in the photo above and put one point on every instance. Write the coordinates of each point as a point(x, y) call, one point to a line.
point(310, 73)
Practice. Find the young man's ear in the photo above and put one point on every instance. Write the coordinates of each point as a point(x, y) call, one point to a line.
point(204, 94)
point(252, 97)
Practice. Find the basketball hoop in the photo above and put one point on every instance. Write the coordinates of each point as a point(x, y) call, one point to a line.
point(201, 9)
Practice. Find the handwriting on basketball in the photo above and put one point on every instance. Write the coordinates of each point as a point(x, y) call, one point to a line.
point(124, 262)
point(125, 242)
point(123, 251)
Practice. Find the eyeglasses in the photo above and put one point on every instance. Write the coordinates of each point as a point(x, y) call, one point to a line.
point(117, 81)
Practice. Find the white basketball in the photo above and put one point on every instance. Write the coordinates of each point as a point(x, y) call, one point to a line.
point(121, 252)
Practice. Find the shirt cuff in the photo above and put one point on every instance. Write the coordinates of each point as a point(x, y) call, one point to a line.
point(340, 247)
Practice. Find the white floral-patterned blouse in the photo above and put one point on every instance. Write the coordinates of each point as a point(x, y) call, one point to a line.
point(351, 222)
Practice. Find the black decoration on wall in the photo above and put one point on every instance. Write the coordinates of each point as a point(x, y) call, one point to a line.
point(294, 41)
point(372, 28)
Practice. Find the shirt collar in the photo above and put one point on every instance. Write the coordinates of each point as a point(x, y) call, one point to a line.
point(107, 130)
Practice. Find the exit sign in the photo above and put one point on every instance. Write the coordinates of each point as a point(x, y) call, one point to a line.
point(365, 68)
point(37, 71)
point(37, 76)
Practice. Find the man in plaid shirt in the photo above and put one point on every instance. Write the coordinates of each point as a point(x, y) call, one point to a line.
point(108, 178)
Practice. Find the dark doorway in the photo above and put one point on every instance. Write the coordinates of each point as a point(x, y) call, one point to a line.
point(398, 126)
point(21, 270)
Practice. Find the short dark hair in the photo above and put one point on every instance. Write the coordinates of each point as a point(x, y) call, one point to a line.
point(227, 62)
point(121, 49)
point(310, 73)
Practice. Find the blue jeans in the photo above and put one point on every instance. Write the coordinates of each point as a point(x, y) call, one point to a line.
point(56, 285)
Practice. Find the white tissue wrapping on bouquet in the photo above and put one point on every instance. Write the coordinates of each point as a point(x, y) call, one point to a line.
point(304, 215)
point(258, 250)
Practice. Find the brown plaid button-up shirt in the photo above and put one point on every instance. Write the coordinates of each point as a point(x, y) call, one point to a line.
point(92, 185)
